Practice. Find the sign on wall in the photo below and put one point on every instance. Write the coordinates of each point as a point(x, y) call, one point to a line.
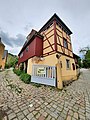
point(41, 71)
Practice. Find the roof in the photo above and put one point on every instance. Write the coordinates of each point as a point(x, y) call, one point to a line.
point(58, 20)
point(75, 56)
point(5, 54)
point(30, 37)
point(34, 33)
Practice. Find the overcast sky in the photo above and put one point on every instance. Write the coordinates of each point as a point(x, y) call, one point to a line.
point(18, 17)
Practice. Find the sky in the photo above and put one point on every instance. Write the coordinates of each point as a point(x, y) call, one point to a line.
point(19, 17)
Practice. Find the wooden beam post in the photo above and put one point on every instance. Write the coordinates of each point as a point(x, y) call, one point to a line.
point(59, 76)
point(55, 37)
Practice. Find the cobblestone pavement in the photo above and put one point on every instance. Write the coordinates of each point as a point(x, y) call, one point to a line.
point(20, 101)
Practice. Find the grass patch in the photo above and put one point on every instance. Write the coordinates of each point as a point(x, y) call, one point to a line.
point(25, 78)
point(36, 84)
point(17, 72)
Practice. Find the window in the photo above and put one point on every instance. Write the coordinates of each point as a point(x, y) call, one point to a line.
point(27, 49)
point(65, 43)
point(61, 63)
point(67, 64)
point(21, 55)
point(73, 66)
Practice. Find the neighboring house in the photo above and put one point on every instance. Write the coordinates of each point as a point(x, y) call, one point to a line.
point(3, 55)
point(47, 55)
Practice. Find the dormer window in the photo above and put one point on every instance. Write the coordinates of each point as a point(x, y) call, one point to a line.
point(65, 43)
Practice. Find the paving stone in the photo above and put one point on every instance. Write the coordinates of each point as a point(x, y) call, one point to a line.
point(20, 117)
point(74, 118)
point(47, 102)
point(59, 109)
point(25, 119)
point(54, 115)
point(60, 118)
point(68, 117)
point(34, 118)
point(48, 106)
point(48, 118)
point(37, 115)
point(35, 112)
point(76, 115)
point(63, 115)
point(30, 116)
point(70, 112)
point(26, 112)
point(88, 115)
point(52, 109)
point(81, 117)
point(54, 106)
point(11, 116)
point(41, 117)
point(53, 119)
point(44, 114)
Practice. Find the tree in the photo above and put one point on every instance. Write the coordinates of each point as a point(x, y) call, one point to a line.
point(86, 59)
point(12, 60)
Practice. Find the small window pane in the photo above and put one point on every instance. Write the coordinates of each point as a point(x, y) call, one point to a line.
point(67, 63)
point(65, 43)
point(27, 49)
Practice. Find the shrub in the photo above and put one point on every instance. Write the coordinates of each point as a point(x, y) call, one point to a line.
point(17, 72)
point(21, 66)
point(25, 78)
point(6, 66)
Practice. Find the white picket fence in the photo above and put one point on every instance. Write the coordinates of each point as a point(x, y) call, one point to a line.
point(44, 74)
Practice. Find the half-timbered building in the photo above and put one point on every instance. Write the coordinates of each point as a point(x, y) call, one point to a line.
point(47, 55)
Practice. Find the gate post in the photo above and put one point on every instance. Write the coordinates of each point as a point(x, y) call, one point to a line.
point(59, 76)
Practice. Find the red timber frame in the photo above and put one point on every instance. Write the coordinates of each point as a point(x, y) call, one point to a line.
point(50, 44)
point(62, 46)
point(55, 44)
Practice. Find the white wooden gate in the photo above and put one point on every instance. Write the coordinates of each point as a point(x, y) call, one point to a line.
point(44, 74)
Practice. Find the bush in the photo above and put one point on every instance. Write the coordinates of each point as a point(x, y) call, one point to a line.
point(17, 72)
point(6, 66)
point(25, 78)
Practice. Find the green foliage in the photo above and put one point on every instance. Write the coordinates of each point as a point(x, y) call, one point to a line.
point(12, 60)
point(87, 56)
point(86, 59)
point(6, 66)
point(79, 63)
point(36, 84)
point(22, 66)
point(25, 78)
point(17, 72)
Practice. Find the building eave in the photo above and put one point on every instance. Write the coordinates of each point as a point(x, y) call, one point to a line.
point(29, 41)
point(55, 17)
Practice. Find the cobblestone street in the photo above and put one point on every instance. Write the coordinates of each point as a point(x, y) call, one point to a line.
point(20, 101)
